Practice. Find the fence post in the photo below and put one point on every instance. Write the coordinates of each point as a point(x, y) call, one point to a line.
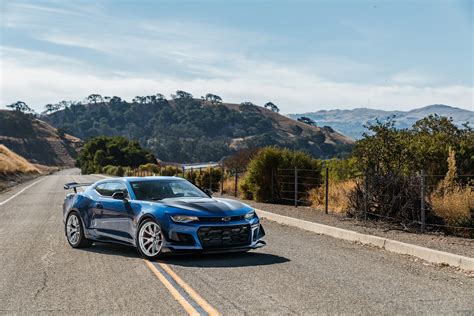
point(326, 206)
point(210, 178)
point(184, 174)
point(192, 176)
point(366, 194)
point(296, 187)
point(422, 196)
point(273, 175)
point(222, 179)
point(235, 184)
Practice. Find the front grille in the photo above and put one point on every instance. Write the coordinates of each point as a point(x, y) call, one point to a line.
point(224, 236)
point(221, 219)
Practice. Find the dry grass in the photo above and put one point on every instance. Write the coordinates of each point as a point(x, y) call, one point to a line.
point(229, 185)
point(13, 164)
point(455, 205)
point(338, 195)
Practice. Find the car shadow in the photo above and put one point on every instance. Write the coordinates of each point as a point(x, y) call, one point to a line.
point(112, 250)
point(224, 260)
point(210, 260)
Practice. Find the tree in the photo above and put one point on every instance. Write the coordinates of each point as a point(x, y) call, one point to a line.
point(214, 99)
point(49, 108)
point(239, 161)
point(139, 99)
point(63, 104)
point(95, 98)
point(424, 146)
point(306, 120)
point(160, 97)
point(20, 106)
point(272, 106)
point(115, 151)
point(115, 100)
point(182, 95)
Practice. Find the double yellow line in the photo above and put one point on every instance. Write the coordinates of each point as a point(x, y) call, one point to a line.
point(190, 309)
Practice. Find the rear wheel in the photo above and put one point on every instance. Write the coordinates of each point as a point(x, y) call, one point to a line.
point(75, 231)
point(150, 239)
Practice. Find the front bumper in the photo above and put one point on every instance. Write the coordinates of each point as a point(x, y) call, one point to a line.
point(207, 237)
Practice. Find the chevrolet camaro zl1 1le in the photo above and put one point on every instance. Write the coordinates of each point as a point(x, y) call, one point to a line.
point(157, 213)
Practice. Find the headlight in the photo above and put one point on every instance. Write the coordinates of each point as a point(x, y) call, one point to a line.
point(184, 218)
point(250, 215)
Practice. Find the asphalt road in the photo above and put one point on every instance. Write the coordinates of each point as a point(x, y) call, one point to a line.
point(297, 273)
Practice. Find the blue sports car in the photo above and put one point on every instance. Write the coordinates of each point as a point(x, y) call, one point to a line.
point(157, 213)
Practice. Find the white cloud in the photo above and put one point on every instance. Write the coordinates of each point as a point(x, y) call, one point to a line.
point(293, 89)
point(164, 56)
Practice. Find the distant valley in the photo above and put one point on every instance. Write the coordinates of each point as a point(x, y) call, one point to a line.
point(351, 122)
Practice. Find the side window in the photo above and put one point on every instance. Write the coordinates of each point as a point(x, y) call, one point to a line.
point(113, 187)
point(102, 189)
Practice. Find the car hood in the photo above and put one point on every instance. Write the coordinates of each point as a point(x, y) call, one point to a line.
point(207, 206)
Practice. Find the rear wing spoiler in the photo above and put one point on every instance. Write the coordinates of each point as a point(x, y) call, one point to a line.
point(75, 185)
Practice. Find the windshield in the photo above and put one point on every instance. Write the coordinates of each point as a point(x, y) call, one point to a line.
point(165, 189)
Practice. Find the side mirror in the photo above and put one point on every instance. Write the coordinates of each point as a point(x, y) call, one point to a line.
point(119, 195)
point(207, 191)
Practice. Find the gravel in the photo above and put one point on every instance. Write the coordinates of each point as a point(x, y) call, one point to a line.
point(433, 240)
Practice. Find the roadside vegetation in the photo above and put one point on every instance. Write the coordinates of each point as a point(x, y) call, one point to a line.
point(261, 183)
point(112, 155)
point(386, 178)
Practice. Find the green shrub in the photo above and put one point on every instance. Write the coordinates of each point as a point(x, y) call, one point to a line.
point(171, 171)
point(244, 189)
point(203, 178)
point(257, 182)
point(191, 176)
point(110, 170)
point(120, 171)
point(116, 151)
point(150, 167)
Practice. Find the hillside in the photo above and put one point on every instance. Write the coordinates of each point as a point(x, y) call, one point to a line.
point(15, 169)
point(350, 122)
point(192, 130)
point(36, 140)
point(13, 164)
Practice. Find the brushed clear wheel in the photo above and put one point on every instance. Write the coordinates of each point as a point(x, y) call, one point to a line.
point(150, 239)
point(73, 230)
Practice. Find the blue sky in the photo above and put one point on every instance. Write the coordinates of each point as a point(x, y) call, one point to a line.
point(303, 56)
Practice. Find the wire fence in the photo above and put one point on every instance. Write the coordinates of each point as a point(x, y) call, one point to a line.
point(409, 200)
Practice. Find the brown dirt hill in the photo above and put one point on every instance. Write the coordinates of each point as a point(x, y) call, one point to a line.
point(36, 140)
point(287, 127)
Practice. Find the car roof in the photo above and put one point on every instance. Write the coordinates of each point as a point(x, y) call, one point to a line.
point(141, 179)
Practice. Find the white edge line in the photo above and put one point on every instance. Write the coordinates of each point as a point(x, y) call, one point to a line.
point(21, 191)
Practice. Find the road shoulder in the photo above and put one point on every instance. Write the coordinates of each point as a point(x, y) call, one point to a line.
point(434, 248)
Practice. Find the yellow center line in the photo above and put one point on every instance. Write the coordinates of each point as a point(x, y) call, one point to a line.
point(189, 309)
point(194, 295)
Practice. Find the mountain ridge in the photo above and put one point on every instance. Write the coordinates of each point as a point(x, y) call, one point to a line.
point(351, 122)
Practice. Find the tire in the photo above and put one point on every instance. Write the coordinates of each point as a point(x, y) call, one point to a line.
point(74, 230)
point(149, 241)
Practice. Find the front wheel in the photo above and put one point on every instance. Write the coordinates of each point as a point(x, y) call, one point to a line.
point(150, 239)
point(75, 231)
